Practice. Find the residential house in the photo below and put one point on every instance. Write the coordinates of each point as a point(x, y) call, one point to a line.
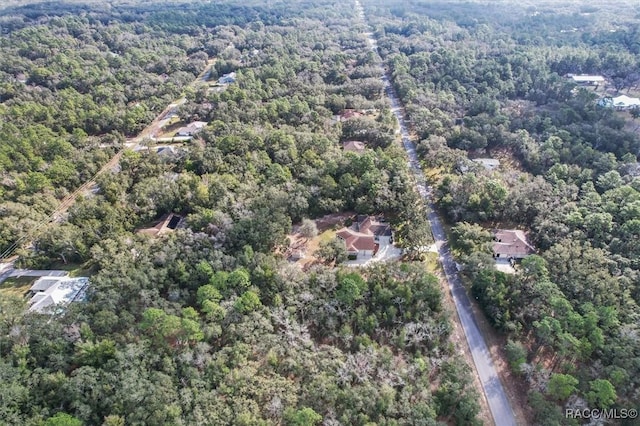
point(227, 78)
point(587, 80)
point(50, 292)
point(510, 244)
point(167, 223)
point(622, 102)
point(349, 113)
point(192, 128)
point(364, 236)
point(166, 151)
point(354, 146)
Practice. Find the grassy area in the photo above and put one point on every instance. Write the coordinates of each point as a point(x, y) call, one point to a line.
point(327, 236)
point(431, 262)
point(16, 286)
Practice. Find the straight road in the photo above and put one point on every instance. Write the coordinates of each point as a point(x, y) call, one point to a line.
point(497, 399)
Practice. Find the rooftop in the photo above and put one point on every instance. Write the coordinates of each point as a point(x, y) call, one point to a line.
point(511, 243)
point(51, 291)
point(587, 78)
point(362, 234)
point(354, 146)
point(192, 128)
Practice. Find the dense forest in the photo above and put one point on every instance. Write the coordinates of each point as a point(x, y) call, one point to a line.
point(209, 324)
point(487, 80)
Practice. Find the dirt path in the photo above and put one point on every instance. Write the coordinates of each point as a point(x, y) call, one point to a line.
point(86, 187)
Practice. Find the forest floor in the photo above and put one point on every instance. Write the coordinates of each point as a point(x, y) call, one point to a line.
point(630, 124)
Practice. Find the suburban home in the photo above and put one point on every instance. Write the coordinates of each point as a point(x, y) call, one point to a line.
point(587, 80)
point(349, 113)
point(50, 292)
point(192, 128)
point(166, 151)
point(622, 102)
point(488, 163)
point(363, 237)
point(227, 78)
point(510, 244)
point(354, 146)
point(166, 224)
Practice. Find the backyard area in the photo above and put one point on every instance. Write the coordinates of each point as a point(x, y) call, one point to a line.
point(302, 249)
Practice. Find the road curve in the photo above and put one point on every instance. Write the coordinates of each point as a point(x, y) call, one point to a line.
point(497, 399)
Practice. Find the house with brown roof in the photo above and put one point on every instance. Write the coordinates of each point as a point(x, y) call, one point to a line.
point(363, 237)
point(510, 244)
point(349, 113)
point(354, 146)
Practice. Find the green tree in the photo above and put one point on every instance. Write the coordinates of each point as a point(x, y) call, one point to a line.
point(516, 354)
point(350, 288)
point(468, 237)
point(62, 419)
point(249, 301)
point(332, 251)
point(304, 417)
point(308, 229)
point(561, 386)
point(602, 394)
point(208, 292)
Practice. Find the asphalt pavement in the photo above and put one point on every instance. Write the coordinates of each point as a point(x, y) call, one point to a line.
point(494, 391)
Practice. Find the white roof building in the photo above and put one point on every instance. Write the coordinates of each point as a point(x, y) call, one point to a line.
point(625, 101)
point(619, 102)
point(587, 78)
point(227, 78)
point(50, 291)
point(191, 129)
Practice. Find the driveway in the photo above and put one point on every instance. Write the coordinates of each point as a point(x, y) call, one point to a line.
point(8, 271)
point(386, 252)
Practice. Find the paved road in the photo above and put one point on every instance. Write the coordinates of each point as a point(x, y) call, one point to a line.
point(498, 402)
